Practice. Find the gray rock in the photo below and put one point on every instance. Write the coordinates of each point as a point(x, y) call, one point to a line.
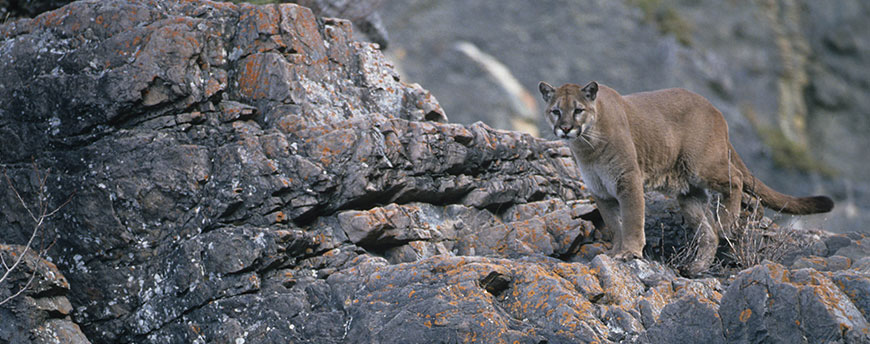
point(856, 285)
point(857, 249)
point(862, 265)
point(769, 303)
point(688, 320)
point(836, 242)
point(832, 263)
point(217, 158)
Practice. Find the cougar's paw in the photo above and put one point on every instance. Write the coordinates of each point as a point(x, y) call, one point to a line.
point(626, 255)
point(694, 270)
point(700, 265)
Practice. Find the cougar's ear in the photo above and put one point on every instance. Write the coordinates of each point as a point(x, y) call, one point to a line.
point(547, 91)
point(590, 91)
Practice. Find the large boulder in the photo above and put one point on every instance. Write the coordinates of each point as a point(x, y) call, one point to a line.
point(213, 151)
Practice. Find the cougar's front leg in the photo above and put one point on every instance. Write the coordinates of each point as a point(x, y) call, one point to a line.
point(631, 210)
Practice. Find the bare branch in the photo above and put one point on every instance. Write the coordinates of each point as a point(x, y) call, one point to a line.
point(3, 261)
point(29, 281)
point(32, 234)
point(21, 200)
point(39, 221)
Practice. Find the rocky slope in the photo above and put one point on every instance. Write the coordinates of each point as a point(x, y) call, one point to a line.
point(244, 173)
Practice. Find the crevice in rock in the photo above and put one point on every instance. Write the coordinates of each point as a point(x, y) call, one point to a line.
point(406, 196)
point(571, 252)
point(370, 200)
point(86, 137)
point(594, 217)
point(498, 208)
point(495, 283)
point(231, 209)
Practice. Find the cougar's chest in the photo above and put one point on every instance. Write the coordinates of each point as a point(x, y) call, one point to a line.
point(599, 180)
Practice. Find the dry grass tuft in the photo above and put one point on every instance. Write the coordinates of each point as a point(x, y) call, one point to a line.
point(754, 246)
point(752, 239)
point(756, 238)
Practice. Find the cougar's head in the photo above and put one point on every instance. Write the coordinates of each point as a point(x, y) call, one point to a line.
point(570, 108)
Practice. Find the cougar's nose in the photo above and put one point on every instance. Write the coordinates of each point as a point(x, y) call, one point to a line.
point(565, 128)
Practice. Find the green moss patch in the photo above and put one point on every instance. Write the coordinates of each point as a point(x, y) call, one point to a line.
point(666, 18)
point(784, 152)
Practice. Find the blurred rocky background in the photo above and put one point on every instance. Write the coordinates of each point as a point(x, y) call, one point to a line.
point(790, 76)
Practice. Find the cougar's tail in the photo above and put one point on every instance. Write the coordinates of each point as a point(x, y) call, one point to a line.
point(779, 201)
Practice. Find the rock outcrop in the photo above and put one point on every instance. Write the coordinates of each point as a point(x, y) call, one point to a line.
point(243, 173)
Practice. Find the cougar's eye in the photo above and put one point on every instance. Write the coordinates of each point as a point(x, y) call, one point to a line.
point(556, 112)
point(577, 111)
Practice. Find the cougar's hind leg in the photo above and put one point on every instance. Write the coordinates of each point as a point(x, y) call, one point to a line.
point(609, 209)
point(697, 216)
point(727, 181)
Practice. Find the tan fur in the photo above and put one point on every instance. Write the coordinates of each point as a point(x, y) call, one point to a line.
point(673, 141)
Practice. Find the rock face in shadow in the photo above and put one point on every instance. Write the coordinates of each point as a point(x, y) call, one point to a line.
point(243, 173)
point(28, 8)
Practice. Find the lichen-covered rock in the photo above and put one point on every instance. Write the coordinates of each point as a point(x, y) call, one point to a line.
point(862, 265)
point(857, 247)
point(832, 263)
point(856, 286)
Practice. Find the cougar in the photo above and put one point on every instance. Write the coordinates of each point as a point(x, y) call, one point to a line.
point(672, 141)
